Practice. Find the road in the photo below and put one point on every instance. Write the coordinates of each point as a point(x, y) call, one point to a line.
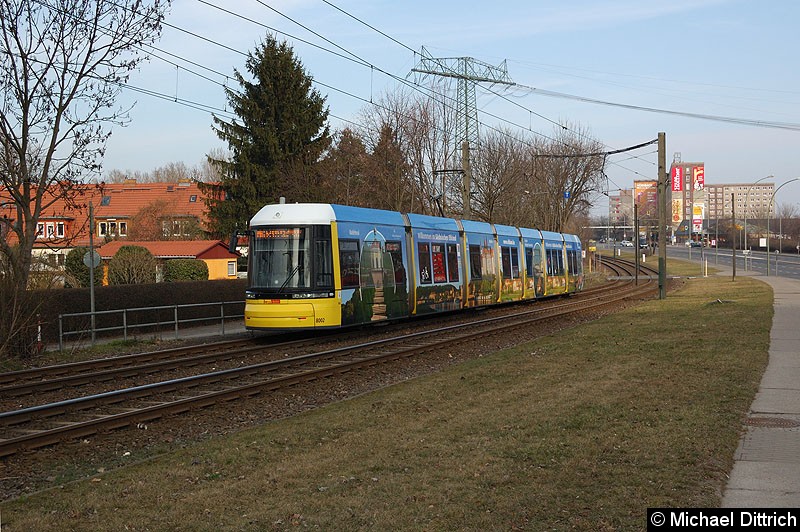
point(783, 264)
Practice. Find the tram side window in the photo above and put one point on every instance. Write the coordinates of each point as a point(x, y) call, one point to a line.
point(515, 263)
point(505, 253)
point(349, 261)
point(396, 252)
point(323, 259)
point(529, 262)
point(439, 271)
point(424, 263)
point(452, 263)
point(574, 263)
point(555, 262)
point(475, 262)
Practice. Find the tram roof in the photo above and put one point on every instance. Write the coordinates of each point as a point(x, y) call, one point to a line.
point(551, 235)
point(422, 221)
point(530, 233)
point(506, 230)
point(321, 214)
point(471, 226)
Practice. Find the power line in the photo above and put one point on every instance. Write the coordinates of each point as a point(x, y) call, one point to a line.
point(791, 126)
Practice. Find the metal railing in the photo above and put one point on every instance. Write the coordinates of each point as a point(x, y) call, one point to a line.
point(127, 325)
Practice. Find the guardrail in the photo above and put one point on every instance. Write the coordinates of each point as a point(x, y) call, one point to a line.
point(128, 325)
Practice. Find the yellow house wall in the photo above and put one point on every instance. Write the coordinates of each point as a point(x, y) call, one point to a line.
point(218, 269)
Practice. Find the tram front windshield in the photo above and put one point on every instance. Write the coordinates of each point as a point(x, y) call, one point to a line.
point(284, 259)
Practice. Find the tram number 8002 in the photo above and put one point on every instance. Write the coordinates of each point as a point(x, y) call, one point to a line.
point(319, 320)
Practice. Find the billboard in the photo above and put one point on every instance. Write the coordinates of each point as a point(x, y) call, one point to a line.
point(698, 213)
point(677, 210)
point(646, 197)
point(698, 177)
point(677, 178)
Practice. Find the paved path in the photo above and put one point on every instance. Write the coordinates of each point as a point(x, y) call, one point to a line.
point(766, 473)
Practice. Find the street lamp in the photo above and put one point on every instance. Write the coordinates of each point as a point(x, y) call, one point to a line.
point(769, 214)
point(747, 205)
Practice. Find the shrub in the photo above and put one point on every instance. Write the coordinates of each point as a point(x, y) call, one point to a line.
point(77, 273)
point(132, 265)
point(185, 270)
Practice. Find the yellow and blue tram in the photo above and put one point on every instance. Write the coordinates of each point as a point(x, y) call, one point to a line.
point(324, 265)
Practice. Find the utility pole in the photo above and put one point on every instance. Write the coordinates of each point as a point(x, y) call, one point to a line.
point(733, 240)
point(662, 216)
point(468, 72)
point(636, 241)
point(465, 166)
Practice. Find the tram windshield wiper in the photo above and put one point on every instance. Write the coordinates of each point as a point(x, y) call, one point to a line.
point(289, 278)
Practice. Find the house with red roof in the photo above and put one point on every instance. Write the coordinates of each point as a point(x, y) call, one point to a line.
point(145, 211)
point(221, 262)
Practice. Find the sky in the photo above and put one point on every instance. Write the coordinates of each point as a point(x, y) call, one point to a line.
point(729, 59)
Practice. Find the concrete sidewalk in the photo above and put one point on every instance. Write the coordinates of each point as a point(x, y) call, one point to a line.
point(766, 472)
point(233, 329)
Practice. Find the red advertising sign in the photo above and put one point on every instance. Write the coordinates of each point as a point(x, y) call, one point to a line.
point(677, 178)
point(699, 177)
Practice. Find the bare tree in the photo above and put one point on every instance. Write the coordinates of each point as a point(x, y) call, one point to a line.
point(498, 179)
point(62, 66)
point(564, 172)
point(421, 127)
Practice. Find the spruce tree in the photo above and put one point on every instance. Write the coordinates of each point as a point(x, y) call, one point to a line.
point(280, 133)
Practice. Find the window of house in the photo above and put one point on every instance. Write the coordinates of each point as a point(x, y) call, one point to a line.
point(60, 229)
point(102, 229)
point(193, 198)
point(123, 228)
point(106, 201)
point(231, 268)
point(51, 229)
point(40, 230)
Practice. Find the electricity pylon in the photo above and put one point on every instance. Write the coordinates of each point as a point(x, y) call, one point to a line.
point(468, 72)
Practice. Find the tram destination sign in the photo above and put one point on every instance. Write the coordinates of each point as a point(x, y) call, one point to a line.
point(280, 232)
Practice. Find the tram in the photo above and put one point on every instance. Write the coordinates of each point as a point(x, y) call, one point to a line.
point(327, 266)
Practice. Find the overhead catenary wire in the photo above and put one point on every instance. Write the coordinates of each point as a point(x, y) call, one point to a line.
point(350, 56)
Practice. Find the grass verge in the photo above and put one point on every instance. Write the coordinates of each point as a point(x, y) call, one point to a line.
point(582, 430)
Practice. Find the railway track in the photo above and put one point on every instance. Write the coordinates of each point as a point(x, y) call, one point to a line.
point(46, 424)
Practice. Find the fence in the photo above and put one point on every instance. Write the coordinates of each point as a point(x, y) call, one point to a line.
point(155, 319)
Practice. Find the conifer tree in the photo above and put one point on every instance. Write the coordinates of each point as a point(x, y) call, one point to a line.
point(279, 135)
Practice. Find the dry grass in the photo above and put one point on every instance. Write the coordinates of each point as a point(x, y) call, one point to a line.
point(583, 430)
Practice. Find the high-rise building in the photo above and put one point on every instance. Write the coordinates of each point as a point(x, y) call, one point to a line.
point(750, 199)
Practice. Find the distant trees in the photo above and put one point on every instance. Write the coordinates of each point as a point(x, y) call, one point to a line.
point(171, 172)
point(276, 142)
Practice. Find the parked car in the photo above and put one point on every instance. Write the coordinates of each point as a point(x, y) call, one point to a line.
point(626, 244)
point(693, 244)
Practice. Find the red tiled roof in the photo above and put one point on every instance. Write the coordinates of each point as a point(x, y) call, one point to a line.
point(114, 201)
point(173, 249)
